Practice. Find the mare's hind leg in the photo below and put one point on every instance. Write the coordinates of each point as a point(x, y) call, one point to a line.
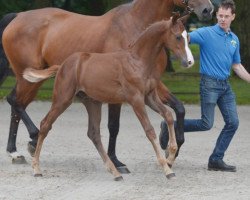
point(113, 125)
point(140, 110)
point(19, 99)
point(94, 113)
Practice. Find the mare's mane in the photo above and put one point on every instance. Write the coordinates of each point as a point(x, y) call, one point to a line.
point(160, 26)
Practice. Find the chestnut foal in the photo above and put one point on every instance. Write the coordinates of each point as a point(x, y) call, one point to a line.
point(122, 76)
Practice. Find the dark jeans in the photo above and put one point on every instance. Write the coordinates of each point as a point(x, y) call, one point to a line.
point(216, 92)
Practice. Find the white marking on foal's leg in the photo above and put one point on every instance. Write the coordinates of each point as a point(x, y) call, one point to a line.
point(190, 57)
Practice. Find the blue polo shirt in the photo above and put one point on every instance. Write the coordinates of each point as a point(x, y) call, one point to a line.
point(218, 50)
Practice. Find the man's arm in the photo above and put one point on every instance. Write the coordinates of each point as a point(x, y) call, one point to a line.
point(241, 72)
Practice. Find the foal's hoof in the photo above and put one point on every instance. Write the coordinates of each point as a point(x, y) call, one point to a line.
point(119, 178)
point(31, 149)
point(38, 175)
point(123, 169)
point(19, 160)
point(170, 176)
point(170, 166)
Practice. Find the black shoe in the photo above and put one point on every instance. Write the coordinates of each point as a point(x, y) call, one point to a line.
point(163, 137)
point(220, 165)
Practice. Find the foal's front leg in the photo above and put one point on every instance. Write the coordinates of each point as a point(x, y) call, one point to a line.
point(154, 102)
point(140, 111)
point(169, 99)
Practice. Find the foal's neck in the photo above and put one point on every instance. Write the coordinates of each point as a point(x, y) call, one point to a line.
point(150, 43)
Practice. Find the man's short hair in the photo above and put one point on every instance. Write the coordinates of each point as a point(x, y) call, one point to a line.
point(226, 4)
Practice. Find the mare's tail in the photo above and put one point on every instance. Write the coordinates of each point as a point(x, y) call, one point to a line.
point(4, 64)
point(36, 75)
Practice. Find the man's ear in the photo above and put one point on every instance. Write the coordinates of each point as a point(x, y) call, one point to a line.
point(233, 17)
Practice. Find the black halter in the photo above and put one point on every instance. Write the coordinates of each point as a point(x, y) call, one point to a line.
point(185, 2)
point(188, 8)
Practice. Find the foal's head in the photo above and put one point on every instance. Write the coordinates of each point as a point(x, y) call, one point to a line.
point(176, 40)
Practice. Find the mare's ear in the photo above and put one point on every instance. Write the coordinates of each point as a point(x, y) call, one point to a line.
point(175, 16)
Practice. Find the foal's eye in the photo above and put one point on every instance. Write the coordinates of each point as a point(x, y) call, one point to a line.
point(178, 37)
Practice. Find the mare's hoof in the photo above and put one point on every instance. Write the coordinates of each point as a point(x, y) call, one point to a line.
point(119, 178)
point(171, 176)
point(38, 175)
point(19, 160)
point(123, 170)
point(31, 149)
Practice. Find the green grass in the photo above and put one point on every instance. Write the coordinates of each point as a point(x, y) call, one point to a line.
point(45, 93)
point(184, 83)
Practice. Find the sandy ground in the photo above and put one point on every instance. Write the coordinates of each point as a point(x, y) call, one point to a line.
point(72, 168)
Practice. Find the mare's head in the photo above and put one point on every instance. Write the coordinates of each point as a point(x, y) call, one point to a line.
point(176, 40)
point(202, 8)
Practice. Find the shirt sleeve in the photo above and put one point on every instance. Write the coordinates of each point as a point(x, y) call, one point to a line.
point(197, 36)
point(236, 56)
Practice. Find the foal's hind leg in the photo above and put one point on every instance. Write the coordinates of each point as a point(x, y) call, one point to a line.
point(94, 112)
point(59, 105)
point(113, 125)
point(57, 108)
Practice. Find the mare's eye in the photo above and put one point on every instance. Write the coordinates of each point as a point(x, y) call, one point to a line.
point(178, 37)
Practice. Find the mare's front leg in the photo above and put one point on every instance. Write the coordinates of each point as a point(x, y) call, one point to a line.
point(169, 99)
point(139, 108)
point(113, 125)
point(94, 112)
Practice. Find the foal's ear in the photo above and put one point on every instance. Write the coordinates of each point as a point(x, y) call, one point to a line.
point(184, 18)
point(175, 16)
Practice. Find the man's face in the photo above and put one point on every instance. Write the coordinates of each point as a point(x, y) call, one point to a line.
point(224, 18)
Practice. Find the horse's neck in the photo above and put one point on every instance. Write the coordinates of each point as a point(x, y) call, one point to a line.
point(149, 11)
point(150, 43)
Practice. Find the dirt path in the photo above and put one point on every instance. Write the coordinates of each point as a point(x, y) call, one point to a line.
point(72, 168)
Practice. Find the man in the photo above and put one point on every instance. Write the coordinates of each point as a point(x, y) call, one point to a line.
point(219, 52)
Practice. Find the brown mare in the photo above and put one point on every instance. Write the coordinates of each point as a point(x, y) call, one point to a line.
point(45, 37)
point(122, 76)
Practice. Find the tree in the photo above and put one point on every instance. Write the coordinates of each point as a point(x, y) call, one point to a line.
point(241, 27)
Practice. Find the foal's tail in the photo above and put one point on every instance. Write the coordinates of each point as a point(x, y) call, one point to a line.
point(36, 75)
point(4, 63)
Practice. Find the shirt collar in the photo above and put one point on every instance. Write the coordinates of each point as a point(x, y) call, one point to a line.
point(220, 31)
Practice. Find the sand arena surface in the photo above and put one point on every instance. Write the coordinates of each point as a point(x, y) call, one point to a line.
point(72, 168)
